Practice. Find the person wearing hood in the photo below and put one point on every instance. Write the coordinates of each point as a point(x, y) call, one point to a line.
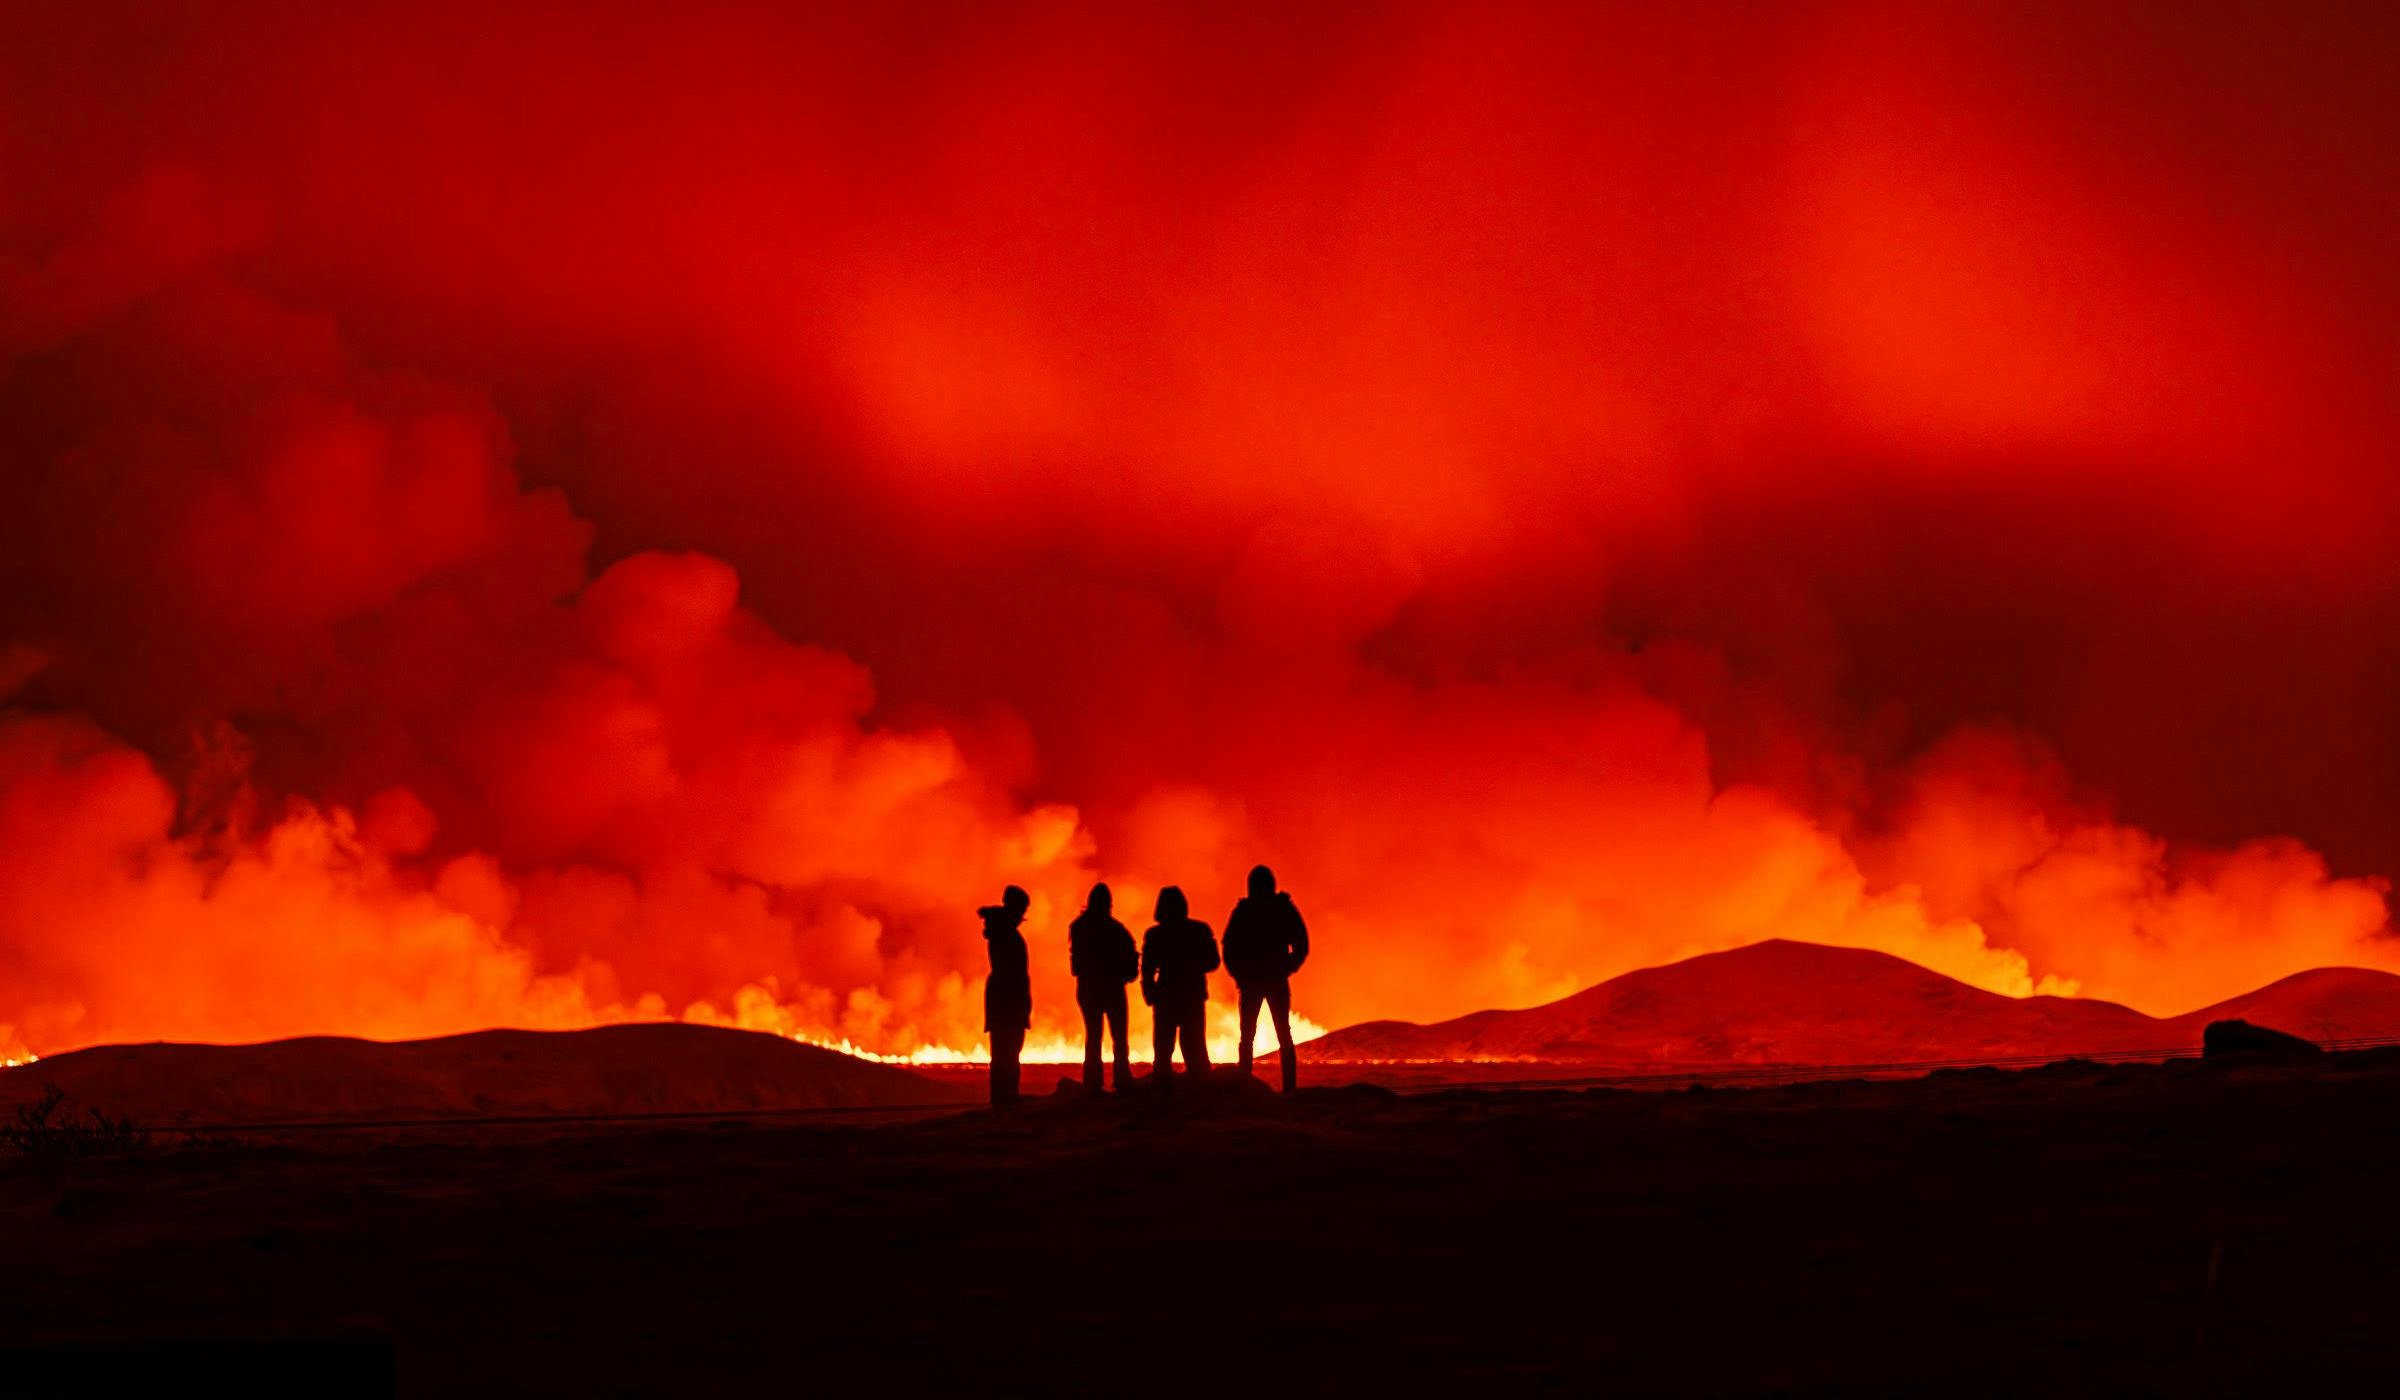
point(1008, 992)
point(1100, 952)
point(1178, 953)
point(1265, 943)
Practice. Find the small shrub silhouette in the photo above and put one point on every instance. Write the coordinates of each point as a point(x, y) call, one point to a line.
point(48, 1129)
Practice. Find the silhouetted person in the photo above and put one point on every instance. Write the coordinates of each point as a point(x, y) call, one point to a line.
point(1265, 943)
point(1178, 953)
point(1101, 953)
point(1008, 992)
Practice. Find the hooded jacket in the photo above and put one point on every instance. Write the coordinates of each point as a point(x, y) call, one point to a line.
point(1008, 992)
point(1100, 952)
point(1178, 953)
point(1265, 940)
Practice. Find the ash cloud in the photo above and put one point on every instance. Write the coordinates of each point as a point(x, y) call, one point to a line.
point(664, 519)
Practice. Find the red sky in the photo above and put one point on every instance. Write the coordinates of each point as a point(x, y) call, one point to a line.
point(586, 512)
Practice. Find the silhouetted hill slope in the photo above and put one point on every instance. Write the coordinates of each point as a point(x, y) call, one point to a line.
point(2325, 1003)
point(610, 1069)
point(1804, 1003)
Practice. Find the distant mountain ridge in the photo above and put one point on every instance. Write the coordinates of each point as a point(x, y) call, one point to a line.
point(1784, 1002)
point(1777, 1002)
point(654, 1068)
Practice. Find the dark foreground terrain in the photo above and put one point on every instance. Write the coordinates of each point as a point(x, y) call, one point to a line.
point(2185, 1228)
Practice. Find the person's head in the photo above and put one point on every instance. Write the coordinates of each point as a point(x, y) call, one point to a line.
point(1012, 906)
point(1100, 900)
point(1171, 906)
point(1262, 882)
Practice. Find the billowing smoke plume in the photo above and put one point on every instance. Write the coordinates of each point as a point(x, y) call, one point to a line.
point(567, 516)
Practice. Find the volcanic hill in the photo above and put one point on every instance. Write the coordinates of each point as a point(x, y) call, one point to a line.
point(658, 1068)
point(1783, 1002)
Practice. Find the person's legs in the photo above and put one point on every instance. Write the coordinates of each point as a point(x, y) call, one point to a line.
point(1195, 1038)
point(1249, 1025)
point(1092, 1026)
point(1116, 1030)
point(1162, 1043)
point(1279, 1001)
point(1006, 1046)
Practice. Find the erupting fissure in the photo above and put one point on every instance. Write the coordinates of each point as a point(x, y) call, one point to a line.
point(1061, 1047)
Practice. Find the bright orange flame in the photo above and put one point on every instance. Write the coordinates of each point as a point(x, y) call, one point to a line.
point(1048, 1046)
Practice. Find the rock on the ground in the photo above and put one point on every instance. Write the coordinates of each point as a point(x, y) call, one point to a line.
point(2241, 1038)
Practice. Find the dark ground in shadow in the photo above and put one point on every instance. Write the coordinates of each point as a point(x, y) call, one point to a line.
point(2175, 1229)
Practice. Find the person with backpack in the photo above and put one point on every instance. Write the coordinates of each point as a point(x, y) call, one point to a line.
point(1265, 942)
point(1100, 952)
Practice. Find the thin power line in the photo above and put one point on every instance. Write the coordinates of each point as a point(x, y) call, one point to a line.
point(1799, 1073)
point(1757, 1075)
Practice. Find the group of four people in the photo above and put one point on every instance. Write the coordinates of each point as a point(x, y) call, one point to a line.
point(1265, 942)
